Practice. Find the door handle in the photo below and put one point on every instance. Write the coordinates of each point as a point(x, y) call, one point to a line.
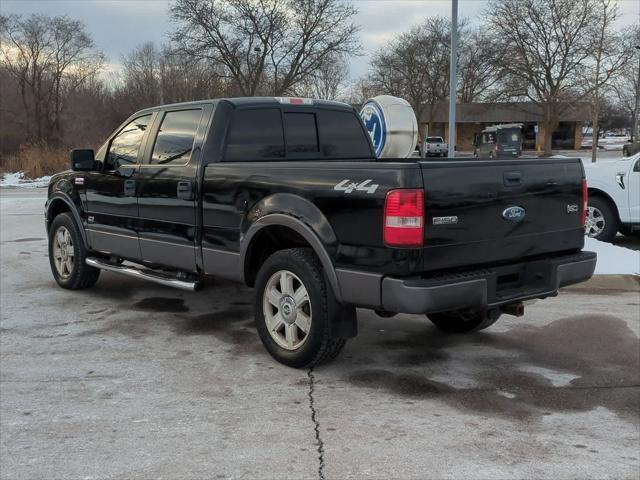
point(129, 188)
point(184, 191)
point(512, 179)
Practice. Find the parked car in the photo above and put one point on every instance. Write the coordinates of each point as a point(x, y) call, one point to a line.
point(614, 198)
point(288, 197)
point(435, 147)
point(499, 141)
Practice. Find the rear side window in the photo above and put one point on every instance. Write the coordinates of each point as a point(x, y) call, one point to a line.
point(174, 142)
point(342, 135)
point(301, 133)
point(126, 144)
point(255, 135)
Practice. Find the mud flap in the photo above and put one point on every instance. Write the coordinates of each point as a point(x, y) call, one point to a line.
point(343, 318)
point(344, 322)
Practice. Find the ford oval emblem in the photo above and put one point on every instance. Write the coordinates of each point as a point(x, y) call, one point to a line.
point(514, 214)
point(375, 124)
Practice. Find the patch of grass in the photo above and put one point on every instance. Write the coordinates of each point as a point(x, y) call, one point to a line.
point(36, 160)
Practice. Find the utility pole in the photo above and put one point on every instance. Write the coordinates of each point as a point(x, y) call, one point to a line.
point(453, 78)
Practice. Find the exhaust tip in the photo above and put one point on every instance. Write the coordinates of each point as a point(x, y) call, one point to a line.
point(515, 309)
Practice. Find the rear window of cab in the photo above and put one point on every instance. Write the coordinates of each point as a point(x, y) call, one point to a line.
point(264, 134)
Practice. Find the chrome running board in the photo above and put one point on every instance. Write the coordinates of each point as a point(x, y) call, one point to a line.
point(146, 274)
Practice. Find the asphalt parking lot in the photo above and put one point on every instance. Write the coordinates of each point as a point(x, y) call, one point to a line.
point(133, 380)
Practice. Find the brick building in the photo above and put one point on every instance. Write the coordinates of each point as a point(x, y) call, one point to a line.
point(471, 118)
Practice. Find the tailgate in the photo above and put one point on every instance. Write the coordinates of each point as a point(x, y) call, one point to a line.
point(479, 212)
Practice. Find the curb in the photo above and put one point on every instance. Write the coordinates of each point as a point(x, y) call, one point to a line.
point(629, 283)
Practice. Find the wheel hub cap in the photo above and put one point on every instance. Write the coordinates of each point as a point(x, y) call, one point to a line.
point(594, 223)
point(287, 310)
point(63, 253)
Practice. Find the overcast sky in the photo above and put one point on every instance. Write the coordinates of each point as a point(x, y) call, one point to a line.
point(118, 26)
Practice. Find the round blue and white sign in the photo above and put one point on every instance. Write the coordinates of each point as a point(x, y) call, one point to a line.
point(375, 124)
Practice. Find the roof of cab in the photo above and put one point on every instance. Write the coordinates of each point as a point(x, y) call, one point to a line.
point(250, 102)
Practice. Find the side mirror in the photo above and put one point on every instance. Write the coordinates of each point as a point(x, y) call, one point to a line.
point(82, 160)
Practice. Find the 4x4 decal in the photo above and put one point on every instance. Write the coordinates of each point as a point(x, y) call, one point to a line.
point(347, 186)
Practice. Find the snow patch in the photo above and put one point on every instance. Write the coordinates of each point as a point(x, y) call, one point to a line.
point(613, 260)
point(557, 379)
point(18, 179)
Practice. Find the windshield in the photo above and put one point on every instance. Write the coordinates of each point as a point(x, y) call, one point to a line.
point(434, 140)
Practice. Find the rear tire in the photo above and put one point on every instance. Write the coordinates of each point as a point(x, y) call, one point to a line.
point(463, 321)
point(67, 255)
point(293, 304)
point(602, 220)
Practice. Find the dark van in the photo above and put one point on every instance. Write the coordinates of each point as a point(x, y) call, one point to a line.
point(499, 141)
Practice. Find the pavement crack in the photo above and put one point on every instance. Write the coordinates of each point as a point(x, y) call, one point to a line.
point(316, 424)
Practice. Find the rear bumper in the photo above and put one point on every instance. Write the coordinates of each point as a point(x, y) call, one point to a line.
point(487, 288)
point(484, 288)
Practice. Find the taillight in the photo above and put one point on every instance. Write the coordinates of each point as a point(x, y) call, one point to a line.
point(585, 201)
point(404, 218)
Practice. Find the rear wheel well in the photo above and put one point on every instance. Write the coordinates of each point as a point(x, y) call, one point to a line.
point(266, 242)
point(594, 192)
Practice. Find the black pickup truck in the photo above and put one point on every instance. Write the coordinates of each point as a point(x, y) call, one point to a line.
point(287, 196)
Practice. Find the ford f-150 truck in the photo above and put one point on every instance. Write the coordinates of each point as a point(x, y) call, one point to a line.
point(287, 196)
point(435, 146)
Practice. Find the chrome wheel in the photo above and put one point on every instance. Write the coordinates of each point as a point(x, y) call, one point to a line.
point(63, 252)
point(595, 222)
point(287, 310)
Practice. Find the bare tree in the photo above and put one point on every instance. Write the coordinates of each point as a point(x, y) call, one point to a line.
point(153, 75)
point(477, 66)
point(327, 82)
point(415, 66)
point(266, 46)
point(183, 78)
point(545, 46)
point(359, 91)
point(626, 85)
point(50, 57)
point(609, 57)
point(141, 74)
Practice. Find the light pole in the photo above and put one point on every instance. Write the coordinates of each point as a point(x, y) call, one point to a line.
point(636, 120)
point(453, 79)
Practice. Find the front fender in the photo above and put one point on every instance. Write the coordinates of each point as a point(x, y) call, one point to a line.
point(59, 201)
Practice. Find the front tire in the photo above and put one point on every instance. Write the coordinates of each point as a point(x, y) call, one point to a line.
point(602, 221)
point(293, 305)
point(67, 255)
point(463, 321)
